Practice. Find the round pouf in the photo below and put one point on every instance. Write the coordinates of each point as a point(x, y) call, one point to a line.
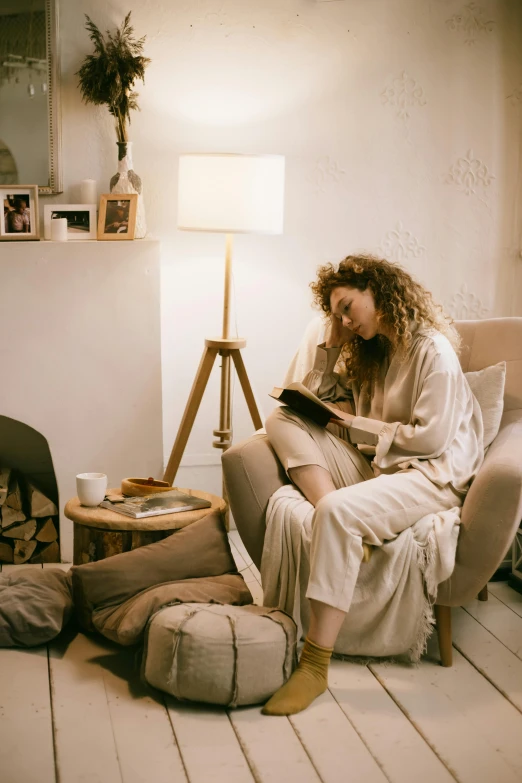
point(229, 655)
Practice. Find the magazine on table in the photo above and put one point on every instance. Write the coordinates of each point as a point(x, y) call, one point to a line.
point(305, 402)
point(157, 504)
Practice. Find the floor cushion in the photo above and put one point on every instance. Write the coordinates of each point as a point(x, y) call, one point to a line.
point(35, 604)
point(229, 655)
point(126, 622)
point(200, 549)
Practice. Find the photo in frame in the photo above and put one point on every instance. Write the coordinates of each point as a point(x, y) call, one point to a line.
point(81, 220)
point(117, 217)
point(20, 219)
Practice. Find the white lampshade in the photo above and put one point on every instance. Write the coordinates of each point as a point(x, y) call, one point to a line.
point(235, 194)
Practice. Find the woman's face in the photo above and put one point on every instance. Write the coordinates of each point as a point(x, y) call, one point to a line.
point(356, 310)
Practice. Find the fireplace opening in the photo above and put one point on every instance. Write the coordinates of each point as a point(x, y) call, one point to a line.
point(29, 522)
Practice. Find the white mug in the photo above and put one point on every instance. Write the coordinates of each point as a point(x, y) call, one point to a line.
point(91, 488)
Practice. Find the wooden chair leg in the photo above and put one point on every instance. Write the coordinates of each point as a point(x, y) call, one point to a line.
point(483, 595)
point(443, 620)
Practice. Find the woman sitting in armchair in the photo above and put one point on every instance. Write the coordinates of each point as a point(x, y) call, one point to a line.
point(409, 443)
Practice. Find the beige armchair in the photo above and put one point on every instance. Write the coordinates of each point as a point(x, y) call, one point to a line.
point(493, 507)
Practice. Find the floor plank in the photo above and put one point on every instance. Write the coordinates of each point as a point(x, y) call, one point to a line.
point(456, 710)
point(61, 566)
point(236, 539)
point(395, 744)
point(85, 742)
point(272, 747)
point(109, 727)
point(488, 655)
point(335, 748)
point(498, 619)
point(26, 732)
point(208, 744)
point(142, 731)
point(507, 595)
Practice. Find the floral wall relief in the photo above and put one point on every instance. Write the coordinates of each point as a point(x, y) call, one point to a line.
point(469, 173)
point(471, 22)
point(403, 93)
point(326, 172)
point(466, 305)
point(400, 245)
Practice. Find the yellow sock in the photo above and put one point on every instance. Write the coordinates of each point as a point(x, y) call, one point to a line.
point(308, 681)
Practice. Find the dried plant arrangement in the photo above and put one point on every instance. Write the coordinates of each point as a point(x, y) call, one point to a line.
point(108, 75)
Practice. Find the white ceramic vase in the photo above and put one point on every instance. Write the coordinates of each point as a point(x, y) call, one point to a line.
point(127, 181)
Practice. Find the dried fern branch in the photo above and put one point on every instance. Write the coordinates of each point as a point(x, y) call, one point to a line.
point(108, 75)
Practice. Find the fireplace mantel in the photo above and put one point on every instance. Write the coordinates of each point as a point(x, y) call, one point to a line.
point(80, 356)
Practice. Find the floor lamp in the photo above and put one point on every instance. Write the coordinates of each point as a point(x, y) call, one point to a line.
point(229, 194)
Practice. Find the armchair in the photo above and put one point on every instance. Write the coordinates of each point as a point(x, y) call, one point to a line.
point(492, 509)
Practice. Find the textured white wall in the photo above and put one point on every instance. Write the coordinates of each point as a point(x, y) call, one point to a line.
point(401, 124)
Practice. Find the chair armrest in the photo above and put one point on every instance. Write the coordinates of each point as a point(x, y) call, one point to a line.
point(490, 516)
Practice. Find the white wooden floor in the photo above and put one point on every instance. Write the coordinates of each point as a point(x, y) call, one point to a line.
point(76, 712)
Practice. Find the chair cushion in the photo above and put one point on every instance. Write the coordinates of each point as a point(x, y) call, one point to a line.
point(126, 622)
point(35, 604)
point(200, 549)
point(229, 655)
point(487, 386)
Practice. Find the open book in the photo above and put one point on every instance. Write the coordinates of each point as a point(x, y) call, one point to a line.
point(305, 402)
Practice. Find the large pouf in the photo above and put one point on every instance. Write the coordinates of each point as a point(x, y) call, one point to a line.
point(229, 655)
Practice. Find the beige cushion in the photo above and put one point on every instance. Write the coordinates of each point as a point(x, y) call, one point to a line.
point(229, 655)
point(200, 549)
point(35, 604)
point(487, 386)
point(125, 623)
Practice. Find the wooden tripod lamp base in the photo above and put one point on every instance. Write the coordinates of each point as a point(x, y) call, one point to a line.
point(228, 349)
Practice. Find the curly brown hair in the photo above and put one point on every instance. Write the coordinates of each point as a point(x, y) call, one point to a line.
point(399, 299)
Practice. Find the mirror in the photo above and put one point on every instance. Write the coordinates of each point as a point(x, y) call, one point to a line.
point(29, 95)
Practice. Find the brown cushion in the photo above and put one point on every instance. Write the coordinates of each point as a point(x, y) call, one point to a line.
point(200, 549)
point(126, 622)
point(35, 604)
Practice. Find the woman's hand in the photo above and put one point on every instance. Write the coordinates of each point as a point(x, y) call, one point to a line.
point(342, 419)
point(339, 334)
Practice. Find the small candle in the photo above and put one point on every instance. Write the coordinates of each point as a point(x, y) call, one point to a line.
point(59, 230)
point(88, 191)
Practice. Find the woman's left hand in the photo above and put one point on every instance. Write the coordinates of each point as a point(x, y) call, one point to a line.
point(342, 419)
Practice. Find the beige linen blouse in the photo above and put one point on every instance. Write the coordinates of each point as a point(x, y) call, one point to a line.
point(420, 412)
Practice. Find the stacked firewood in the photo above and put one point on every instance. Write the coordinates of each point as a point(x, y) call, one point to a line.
point(28, 522)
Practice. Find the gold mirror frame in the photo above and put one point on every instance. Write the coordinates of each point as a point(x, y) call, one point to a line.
point(54, 107)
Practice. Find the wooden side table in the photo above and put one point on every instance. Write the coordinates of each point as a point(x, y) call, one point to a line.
point(101, 533)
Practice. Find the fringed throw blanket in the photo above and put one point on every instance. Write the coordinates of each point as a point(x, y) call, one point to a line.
point(391, 612)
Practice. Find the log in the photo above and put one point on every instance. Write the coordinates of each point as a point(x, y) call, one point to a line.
point(6, 553)
point(40, 505)
point(24, 531)
point(47, 532)
point(49, 554)
point(23, 551)
point(10, 516)
point(5, 474)
point(14, 495)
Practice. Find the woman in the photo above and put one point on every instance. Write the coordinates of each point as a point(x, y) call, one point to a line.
point(409, 443)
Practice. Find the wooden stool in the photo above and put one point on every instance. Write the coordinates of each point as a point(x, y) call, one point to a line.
point(101, 533)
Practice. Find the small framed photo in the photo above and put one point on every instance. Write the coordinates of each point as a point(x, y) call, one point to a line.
point(81, 219)
point(117, 218)
point(20, 218)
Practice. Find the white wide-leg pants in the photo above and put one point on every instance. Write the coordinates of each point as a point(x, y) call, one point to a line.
point(364, 508)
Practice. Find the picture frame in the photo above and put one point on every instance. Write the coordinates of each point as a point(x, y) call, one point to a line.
point(81, 220)
point(20, 219)
point(117, 216)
